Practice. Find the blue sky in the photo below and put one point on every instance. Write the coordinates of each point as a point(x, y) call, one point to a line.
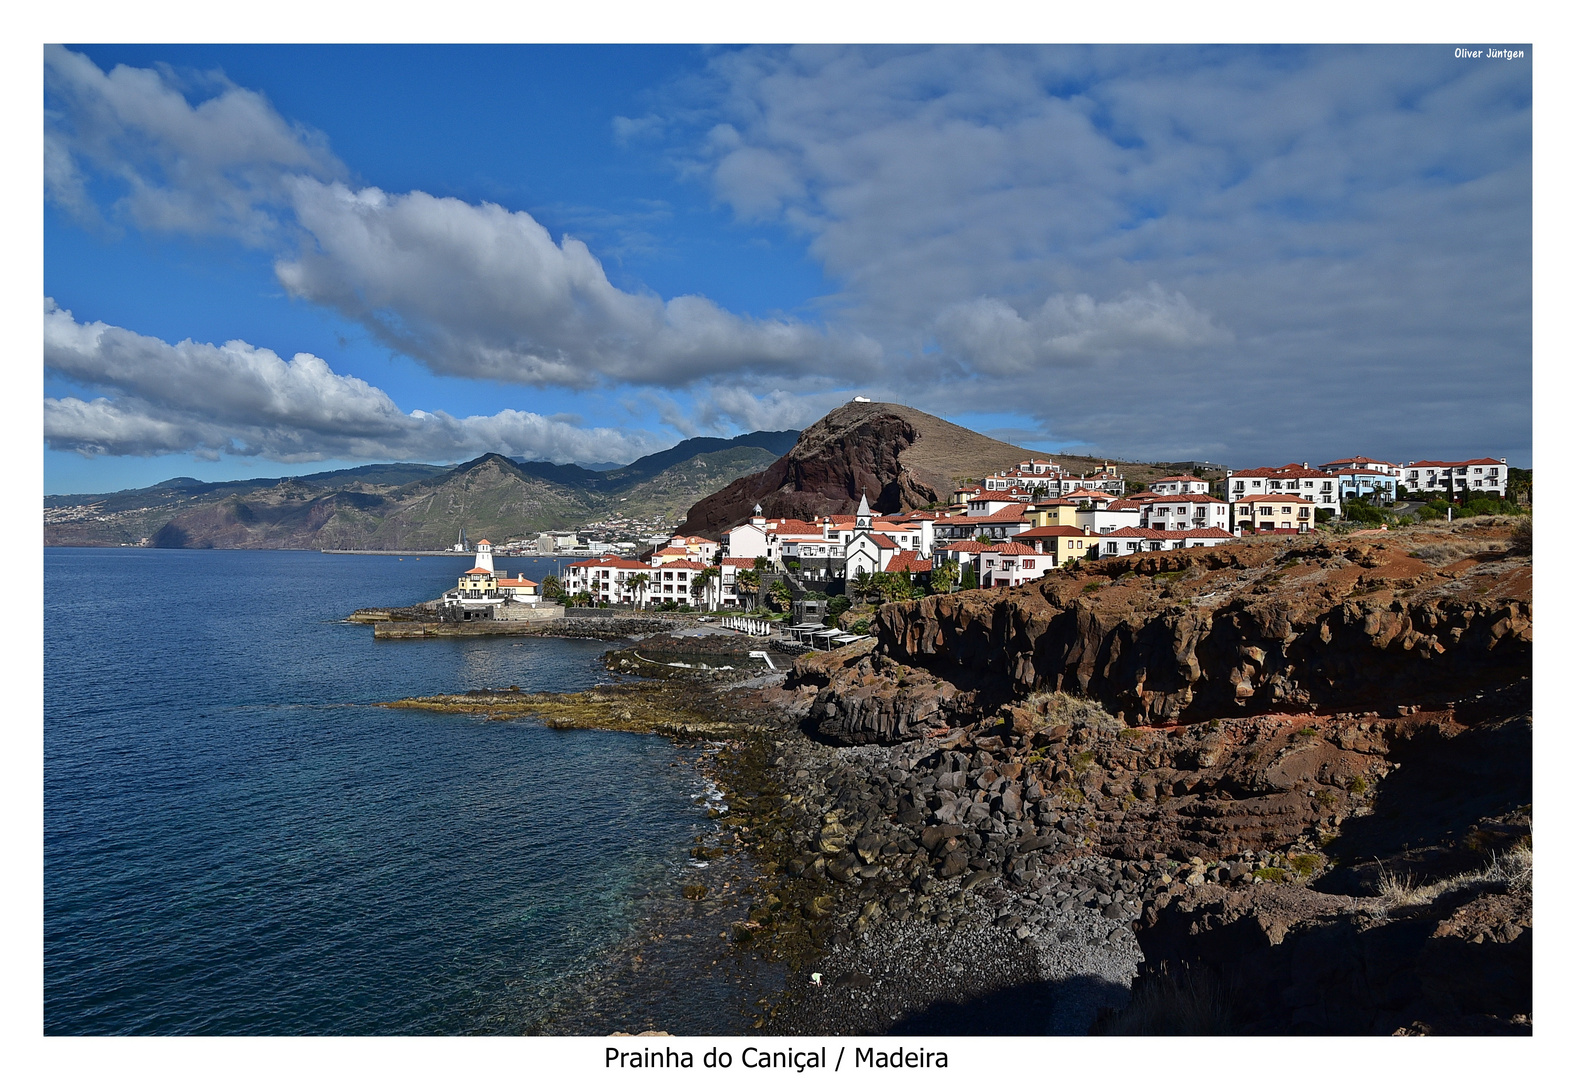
point(272, 260)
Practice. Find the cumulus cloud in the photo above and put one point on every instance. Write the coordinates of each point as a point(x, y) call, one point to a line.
point(220, 166)
point(485, 292)
point(237, 398)
point(1230, 225)
point(470, 290)
point(1004, 228)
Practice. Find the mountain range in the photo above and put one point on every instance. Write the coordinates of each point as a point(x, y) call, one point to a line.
point(407, 505)
point(897, 457)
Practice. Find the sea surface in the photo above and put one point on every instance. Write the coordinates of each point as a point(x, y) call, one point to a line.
point(236, 841)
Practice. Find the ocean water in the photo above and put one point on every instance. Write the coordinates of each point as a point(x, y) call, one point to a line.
point(237, 842)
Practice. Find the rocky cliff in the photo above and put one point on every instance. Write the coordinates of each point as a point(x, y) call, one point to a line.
point(1299, 770)
point(1413, 618)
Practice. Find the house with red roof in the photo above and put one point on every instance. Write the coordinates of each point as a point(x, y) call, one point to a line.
point(1314, 485)
point(1273, 513)
point(1133, 541)
point(1012, 563)
point(610, 579)
point(1365, 478)
point(1061, 544)
point(1180, 485)
point(1103, 515)
point(1457, 479)
point(1181, 512)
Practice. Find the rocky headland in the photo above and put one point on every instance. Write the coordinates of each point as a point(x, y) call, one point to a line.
point(1282, 786)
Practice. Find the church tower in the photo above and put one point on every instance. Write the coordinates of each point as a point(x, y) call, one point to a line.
point(862, 515)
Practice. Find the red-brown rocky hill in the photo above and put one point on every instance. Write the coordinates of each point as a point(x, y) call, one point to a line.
point(1316, 623)
point(898, 457)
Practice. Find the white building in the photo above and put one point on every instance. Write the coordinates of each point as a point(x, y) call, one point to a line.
point(1319, 488)
point(1181, 512)
point(1458, 479)
point(609, 579)
point(1133, 541)
point(1365, 478)
point(1005, 565)
point(1180, 485)
point(1109, 515)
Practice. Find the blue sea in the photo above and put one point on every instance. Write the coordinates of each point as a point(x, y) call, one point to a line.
point(236, 841)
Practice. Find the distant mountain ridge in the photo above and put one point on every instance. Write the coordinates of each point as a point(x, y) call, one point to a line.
point(406, 505)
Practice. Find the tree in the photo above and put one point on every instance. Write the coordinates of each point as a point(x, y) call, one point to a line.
point(1362, 512)
point(640, 583)
point(779, 595)
point(762, 563)
point(860, 585)
point(894, 586)
point(553, 589)
point(968, 579)
point(943, 575)
point(700, 585)
point(582, 599)
point(835, 607)
point(747, 583)
point(1518, 482)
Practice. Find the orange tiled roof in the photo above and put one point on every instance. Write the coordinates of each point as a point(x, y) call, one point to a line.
point(1012, 548)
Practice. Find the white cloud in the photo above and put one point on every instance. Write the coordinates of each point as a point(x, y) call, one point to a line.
point(239, 399)
point(1006, 229)
point(484, 292)
point(470, 290)
point(1223, 226)
point(219, 166)
point(993, 339)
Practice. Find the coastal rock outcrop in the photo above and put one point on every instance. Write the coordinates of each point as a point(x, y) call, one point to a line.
point(1308, 624)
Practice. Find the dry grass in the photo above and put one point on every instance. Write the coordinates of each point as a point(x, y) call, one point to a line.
point(1445, 552)
point(1076, 712)
point(1511, 869)
point(1189, 1003)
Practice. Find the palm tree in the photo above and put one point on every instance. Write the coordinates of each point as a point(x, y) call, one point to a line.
point(747, 583)
point(700, 584)
point(640, 583)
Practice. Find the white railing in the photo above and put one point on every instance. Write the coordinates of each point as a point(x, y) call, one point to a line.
point(753, 627)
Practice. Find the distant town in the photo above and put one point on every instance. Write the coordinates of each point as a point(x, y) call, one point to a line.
point(1012, 527)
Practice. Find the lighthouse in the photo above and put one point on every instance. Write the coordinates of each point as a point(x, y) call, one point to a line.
point(484, 555)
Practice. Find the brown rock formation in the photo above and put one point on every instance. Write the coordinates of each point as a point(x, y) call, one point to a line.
point(900, 458)
point(1306, 624)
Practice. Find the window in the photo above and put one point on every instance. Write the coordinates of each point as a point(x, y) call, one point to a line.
point(1286, 510)
point(1028, 564)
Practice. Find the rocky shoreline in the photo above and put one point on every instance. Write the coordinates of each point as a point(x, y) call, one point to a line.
point(975, 824)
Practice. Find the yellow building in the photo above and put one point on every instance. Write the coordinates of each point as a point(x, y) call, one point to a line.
point(1053, 512)
point(478, 584)
point(1063, 543)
